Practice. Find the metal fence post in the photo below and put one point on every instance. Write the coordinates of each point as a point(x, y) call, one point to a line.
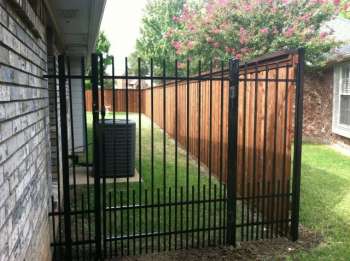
point(232, 151)
point(96, 167)
point(298, 130)
point(65, 160)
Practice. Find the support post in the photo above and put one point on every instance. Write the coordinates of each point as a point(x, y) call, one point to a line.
point(232, 152)
point(298, 130)
point(96, 163)
point(65, 159)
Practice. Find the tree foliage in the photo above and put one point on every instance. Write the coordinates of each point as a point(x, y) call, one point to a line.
point(102, 47)
point(152, 44)
point(220, 29)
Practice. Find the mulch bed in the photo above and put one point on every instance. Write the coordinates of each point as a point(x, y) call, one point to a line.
point(272, 249)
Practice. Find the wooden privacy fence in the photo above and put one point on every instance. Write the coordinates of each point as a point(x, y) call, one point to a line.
point(266, 100)
point(265, 125)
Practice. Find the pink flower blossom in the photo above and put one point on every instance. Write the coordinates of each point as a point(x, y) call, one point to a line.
point(346, 7)
point(230, 50)
point(190, 44)
point(216, 31)
point(323, 35)
point(176, 45)
point(247, 7)
point(176, 19)
point(336, 2)
point(209, 40)
point(289, 32)
point(305, 17)
point(264, 30)
point(244, 50)
point(209, 8)
point(216, 45)
point(223, 2)
point(243, 35)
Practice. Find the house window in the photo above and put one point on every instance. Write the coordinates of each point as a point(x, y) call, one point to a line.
point(341, 105)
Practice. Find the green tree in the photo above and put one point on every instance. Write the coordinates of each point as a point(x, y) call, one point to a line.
point(220, 29)
point(102, 47)
point(152, 43)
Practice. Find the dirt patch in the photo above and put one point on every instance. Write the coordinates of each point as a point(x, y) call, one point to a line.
point(274, 249)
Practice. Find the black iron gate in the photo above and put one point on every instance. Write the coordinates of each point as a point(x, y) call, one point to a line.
point(198, 158)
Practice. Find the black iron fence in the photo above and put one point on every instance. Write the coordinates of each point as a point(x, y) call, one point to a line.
point(190, 160)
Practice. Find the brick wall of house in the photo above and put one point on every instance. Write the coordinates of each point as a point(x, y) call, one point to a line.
point(318, 108)
point(25, 172)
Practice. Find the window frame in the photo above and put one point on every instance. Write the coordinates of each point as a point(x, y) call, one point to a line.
point(337, 127)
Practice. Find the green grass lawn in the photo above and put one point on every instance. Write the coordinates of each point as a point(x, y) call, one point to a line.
point(325, 201)
point(160, 219)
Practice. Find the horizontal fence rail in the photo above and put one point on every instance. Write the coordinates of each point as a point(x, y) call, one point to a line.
point(190, 174)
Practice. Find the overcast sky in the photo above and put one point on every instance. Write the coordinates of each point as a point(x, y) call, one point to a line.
point(121, 22)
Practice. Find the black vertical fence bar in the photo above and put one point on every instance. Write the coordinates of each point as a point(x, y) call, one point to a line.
point(278, 216)
point(187, 145)
point(215, 225)
point(273, 199)
point(83, 225)
point(248, 226)
point(86, 148)
point(264, 211)
point(146, 219)
point(164, 148)
point(210, 144)
point(258, 212)
point(133, 222)
point(110, 224)
point(221, 148)
point(127, 154)
point(232, 151)
point(199, 146)
point(114, 153)
point(121, 223)
point(140, 144)
point(170, 229)
point(158, 217)
point(225, 214)
point(244, 148)
point(284, 166)
point(54, 228)
point(298, 128)
point(57, 154)
point(96, 163)
point(113, 90)
point(152, 163)
point(65, 160)
point(181, 216)
point(73, 153)
point(256, 86)
point(115, 217)
point(176, 141)
point(268, 230)
point(102, 166)
point(192, 216)
point(203, 216)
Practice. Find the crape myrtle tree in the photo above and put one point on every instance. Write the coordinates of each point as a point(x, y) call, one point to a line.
point(220, 29)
